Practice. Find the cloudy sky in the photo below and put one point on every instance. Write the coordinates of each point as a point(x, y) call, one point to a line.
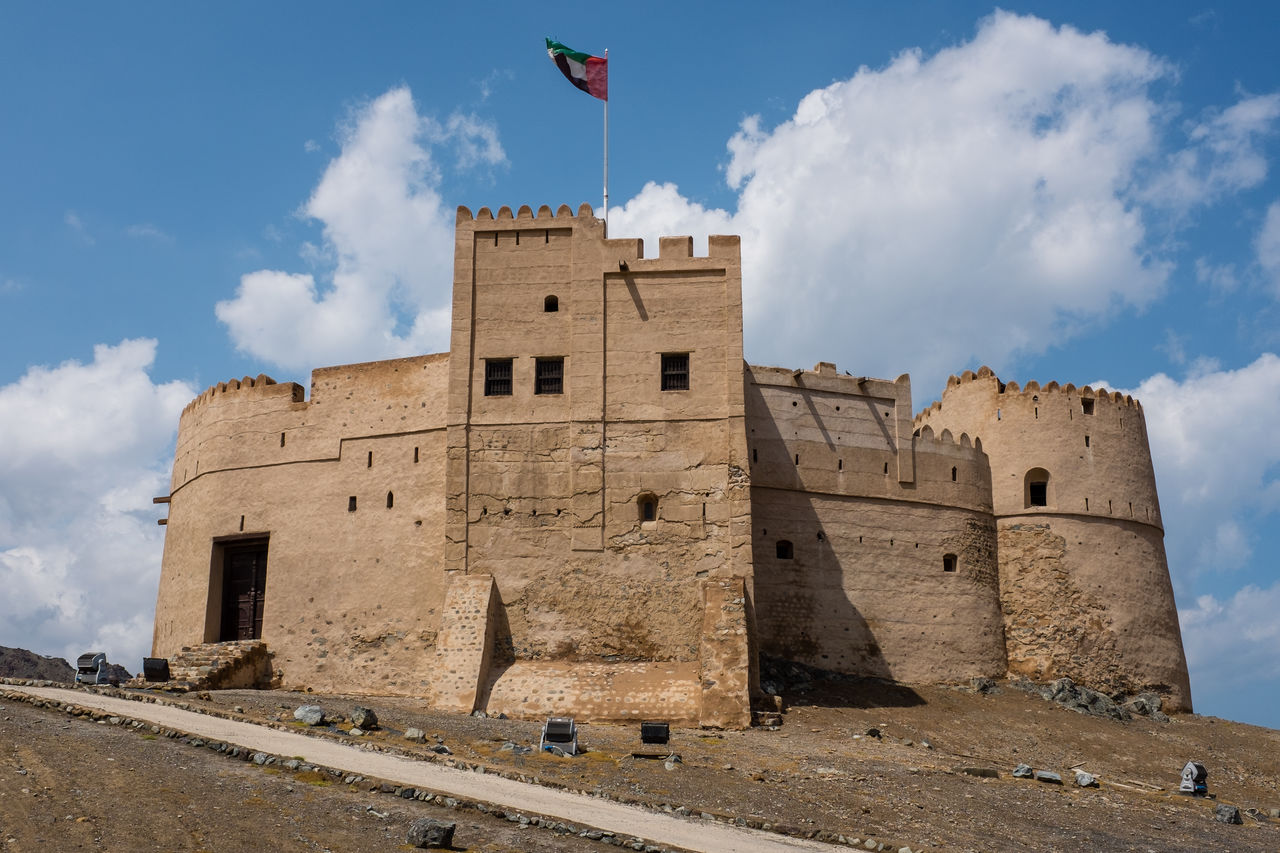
point(1083, 192)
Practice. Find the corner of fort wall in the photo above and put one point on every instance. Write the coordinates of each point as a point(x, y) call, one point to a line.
point(1084, 581)
point(845, 497)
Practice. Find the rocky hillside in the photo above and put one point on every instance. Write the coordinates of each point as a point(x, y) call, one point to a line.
point(20, 663)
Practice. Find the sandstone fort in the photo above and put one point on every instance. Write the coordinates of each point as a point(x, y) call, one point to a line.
point(592, 506)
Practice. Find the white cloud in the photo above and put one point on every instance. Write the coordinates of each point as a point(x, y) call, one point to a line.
point(1268, 246)
point(86, 447)
point(1231, 643)
point(1216, 460)
point(386, 260)
point(1220, 277)
point(148, 231)
point(72, 221)
point(968, 206)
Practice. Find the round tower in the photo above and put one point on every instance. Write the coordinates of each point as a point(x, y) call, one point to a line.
point(1084, 583)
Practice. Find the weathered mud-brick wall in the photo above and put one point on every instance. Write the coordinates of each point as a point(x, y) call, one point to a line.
point(597, 493)
point(344, 495)
point(1084, 582)
point(874, 548)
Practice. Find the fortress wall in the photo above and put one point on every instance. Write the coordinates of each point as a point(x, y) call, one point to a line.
point(871, 596)
point(257, 422)
point(1068, 611)
point(871, 512)
point(1085, 584)
point(352, 596)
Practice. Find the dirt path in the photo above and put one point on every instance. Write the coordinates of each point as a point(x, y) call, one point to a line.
point(587, 811)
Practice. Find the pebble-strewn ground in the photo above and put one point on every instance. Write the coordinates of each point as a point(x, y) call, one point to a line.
point(819, 771)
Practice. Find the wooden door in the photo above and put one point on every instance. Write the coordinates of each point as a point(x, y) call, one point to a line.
point(244, 582)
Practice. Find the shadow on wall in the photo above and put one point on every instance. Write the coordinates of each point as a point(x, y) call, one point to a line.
point(803, 611)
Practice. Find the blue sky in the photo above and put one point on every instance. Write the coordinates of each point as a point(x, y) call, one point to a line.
point(1083, 192)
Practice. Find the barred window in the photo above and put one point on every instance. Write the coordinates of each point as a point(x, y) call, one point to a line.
point(497, 377)
point(549, 376)
point(675, 371)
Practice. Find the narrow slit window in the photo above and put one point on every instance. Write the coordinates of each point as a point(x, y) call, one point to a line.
point(369, 464)
point(755, 455)
point(497, 377)
point(675, 371)
point(797, 458)
point(282, 439)
point(415, 456)
point(351, 504)
point(549, 376)
point(391, 500)
point(886, 467)
point(949, 562)
point(785, 550)
point(1086, 441)
point(953, 473)
point(839, 464)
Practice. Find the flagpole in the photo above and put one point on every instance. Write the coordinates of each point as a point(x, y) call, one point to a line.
point(606, 153)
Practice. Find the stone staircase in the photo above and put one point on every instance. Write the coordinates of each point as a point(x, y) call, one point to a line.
point(219, 666)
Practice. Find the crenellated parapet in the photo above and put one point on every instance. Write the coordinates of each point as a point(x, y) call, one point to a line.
point(1087, 446)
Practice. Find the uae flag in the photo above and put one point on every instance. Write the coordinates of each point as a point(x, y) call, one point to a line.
point(589, 73)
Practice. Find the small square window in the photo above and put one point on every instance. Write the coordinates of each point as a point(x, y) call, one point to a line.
point(549, 376)
point(497, 377)
point(1086, 407)
point(1039, 494)
point(675, 371)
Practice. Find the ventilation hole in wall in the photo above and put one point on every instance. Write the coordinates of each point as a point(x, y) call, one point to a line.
point(370, 462)
point(557, 513)
point(820, 537)
point(282, 439)
point(1035, 398)
point(242, 523)
point(506, 510)
point(1086, 441)
point(764, 532)
point(953, 473)
point(785, 550)
point(949, 562)
point(534, 512)
point(484, 510)
point(917, 544)
point(391, 500)
point(891, 543)
point(794, 403)
point(837, 408)
point(859, 540)
point(839, 464)
point(351, 504)
point(415, 456)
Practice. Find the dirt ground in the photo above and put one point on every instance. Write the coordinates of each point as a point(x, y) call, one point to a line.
point(100, 787)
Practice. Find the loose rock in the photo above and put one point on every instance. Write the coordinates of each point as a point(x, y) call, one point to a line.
point(428, 832)
point(364, 718)
point(1048, 776)
point(1023, 771)
point(1227, 814)
point(1086, 780)
point(414, 734)
point(312, 715)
